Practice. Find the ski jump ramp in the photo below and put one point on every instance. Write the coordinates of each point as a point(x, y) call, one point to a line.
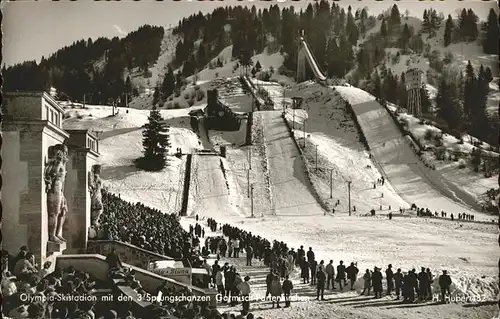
point(304, 55)
point(397, 161)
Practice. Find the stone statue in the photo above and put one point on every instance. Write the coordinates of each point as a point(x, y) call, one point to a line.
point(55, 176)
point(95, 187)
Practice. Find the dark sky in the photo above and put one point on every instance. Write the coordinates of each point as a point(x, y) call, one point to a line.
point(32, 29)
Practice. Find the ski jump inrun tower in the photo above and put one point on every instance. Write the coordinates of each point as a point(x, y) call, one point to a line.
point(413, 82)
point(305, 55)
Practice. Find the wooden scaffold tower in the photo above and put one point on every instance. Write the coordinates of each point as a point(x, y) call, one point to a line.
point(413, 82)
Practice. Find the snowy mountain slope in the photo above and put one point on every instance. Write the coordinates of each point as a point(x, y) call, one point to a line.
point(457, 171)
point(291, 190)
point(330, 129)
point(211, 190)
point(399, 163)
point(120, 143)
point(167, 52)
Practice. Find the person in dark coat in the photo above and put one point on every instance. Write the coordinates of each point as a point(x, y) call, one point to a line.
point(215, 269)
point(352, 273)
point(409, 284)
point(444, 284)
point(304, 270)
point(300, 255)
point(269, 281)
point(287, 289)
point(389, 276)
point(398, 280)
point(313, 264)
point(310, 255)
point(249, 251)
point(341, 274)
point(429, 286)
point(113, 260)
point(414, 275)
point(320, 287)
point(377, 282)
point(423, 284)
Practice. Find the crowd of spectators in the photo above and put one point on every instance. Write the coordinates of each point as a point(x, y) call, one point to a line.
point(281, 260)
point(32, 292)
point(426, 212)
point(143, 227)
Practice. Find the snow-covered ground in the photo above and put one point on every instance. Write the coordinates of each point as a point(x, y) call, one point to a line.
point(120, 143)
point(286, 171)
point(349, 304)
point(462, 248)
point(219, 189)
point(469, 181)
point(399, 163)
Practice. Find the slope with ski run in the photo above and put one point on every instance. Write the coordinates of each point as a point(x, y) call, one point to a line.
point(365, 240)
point(120, 143)
point(406, 242)
point(406, 172)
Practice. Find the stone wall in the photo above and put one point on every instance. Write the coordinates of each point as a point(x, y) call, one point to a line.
point(128, 253)
point(96, 265)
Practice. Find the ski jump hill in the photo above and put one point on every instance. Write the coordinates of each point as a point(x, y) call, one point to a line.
point(304, 55)
point(397, 161)
point(391, 151)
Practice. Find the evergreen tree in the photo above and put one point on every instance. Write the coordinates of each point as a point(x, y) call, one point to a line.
point(395, 19)
point(490, 41)
point(404, 41)
point(425, 100)
point(402, 93)
point(364, 63)
point(168, 85)
point(448, 31)
point(377, 87)
point(383, 29)
point(472, 31)
point(352, 29)
point(425, 22)
point(449, 109)
point(156, 141)
point(258, 67)
point(482, 89)
point(128, 85)
point(469, 97)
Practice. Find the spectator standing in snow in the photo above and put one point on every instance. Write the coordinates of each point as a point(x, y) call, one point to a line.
point(300, 255)
point(398, 280)
point(330, 275)
point(389, 275)
point(423, 280)
point(310, 255)
point(313, 265)
point(249, 251)
point(352, 273)
point(245, 290)
point(287, 289)
point(429, 286)
point(341, 274)
point(377, 282)
point(276, 291)
point(236, 248)
point(320, 287)
point(367, 279)
point(304, 270)
point(444, 284)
